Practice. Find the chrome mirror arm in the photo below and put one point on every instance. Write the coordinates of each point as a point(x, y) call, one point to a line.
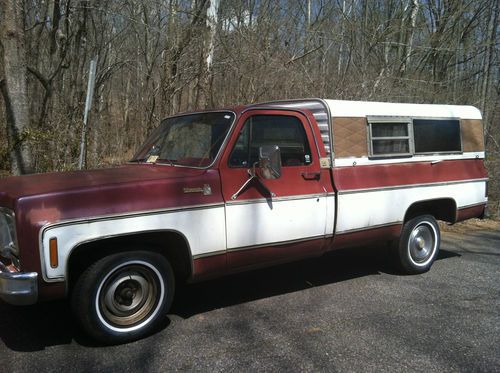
point(253, 175)
point(251, 172)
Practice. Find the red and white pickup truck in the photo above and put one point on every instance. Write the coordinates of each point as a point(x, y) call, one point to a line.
point(214, 192)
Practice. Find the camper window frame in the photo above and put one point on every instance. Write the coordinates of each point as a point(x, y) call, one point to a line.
point(411, 138)
point(390, 120)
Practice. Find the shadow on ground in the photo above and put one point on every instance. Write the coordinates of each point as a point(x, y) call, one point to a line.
point(36, 327)
point(245, 287)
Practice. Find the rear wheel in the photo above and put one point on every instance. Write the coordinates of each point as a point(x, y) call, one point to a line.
point(123, 297)
point(418, 245)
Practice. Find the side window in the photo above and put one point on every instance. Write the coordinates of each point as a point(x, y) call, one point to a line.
point(390, 138)
point(285, 131)
point(437, 135)
point(406, 136)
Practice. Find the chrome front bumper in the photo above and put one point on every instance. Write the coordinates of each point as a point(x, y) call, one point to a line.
point(19, 288)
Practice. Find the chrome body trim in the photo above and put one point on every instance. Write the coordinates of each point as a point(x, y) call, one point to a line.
point(417, 158)
point(63, 279)
point(409, 186)
point(472, 205)
point(280, 243)
point(323, 236)
point(132, 214)
point(18, 288)
point(369, 228)
point(278, 199)
point(207, 255)
point(330, 131)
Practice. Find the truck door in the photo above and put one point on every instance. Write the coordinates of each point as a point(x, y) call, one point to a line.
point(273, 219)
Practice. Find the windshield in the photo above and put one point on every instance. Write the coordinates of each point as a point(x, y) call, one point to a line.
point(189, 140)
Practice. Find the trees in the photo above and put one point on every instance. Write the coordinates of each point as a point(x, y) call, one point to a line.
point(158, 57)
point(13, 85)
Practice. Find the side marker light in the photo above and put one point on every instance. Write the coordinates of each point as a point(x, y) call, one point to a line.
point(54, 256)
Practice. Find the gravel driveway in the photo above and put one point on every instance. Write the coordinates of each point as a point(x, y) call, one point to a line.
point(347, 311)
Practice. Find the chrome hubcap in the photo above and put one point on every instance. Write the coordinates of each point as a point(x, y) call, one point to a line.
point(422, 243)
point(128, 296)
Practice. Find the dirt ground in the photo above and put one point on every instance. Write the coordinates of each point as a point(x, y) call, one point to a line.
point(471, 225)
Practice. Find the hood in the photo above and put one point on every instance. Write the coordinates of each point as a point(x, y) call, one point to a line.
point(81, 194)
point(43, 198)
point(14, 187)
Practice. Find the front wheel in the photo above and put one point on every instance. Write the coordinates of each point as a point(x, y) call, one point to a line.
point(124, 296)
point(418, 245)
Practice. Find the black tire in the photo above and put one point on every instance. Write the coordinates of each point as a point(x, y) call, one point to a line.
point(123, 297)
point(418, 245)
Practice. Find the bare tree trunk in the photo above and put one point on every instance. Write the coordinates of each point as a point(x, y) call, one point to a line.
point(173, 55)
point(307, 34)
point(76, 94)
point(203, 93)
point(341, 48)
point(409, 37)
point(13, 84)
point(363, 37)
point(488, 59)
point(126, 106)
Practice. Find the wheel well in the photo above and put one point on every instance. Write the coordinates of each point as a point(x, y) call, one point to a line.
point(172, 245)
point(442, 209)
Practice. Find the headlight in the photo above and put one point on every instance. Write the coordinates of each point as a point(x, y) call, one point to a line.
point(8, 241)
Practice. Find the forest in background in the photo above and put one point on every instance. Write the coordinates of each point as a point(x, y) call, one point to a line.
point(159, 57)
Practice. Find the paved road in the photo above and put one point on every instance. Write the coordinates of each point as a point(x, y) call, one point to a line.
point(344, 312)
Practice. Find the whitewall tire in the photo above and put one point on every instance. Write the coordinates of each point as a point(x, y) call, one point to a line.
point(418, 245)
point(123, 297)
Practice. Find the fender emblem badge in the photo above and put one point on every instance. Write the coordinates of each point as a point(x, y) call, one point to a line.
point(206, 190)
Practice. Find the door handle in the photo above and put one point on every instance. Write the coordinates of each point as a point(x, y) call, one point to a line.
point(311, 175)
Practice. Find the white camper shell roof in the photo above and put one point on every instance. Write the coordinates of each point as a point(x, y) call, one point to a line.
point(340, 108)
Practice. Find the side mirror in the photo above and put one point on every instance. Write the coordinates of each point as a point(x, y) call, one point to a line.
point(270, 161)
point(269, 168)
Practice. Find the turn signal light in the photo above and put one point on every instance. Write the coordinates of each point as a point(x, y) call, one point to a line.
point(54, 257)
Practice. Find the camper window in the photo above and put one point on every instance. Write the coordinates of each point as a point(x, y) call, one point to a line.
point(390, 138)
point(437, 135)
